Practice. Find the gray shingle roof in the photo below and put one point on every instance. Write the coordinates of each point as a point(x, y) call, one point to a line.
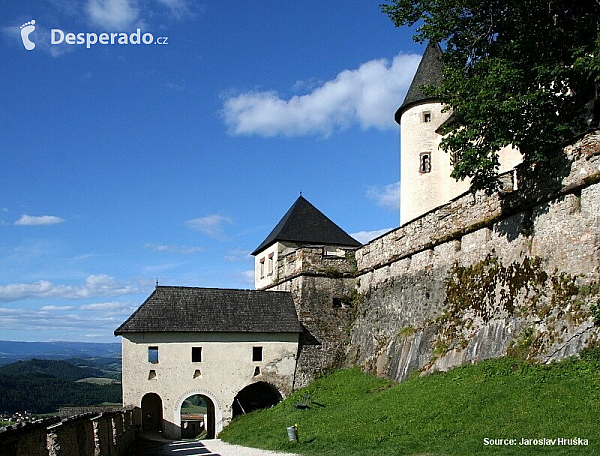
point(189, 309)
point(304, 223)
point(429, 72)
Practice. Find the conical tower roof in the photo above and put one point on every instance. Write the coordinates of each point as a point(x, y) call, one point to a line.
point(304, 223)
point(429, 72)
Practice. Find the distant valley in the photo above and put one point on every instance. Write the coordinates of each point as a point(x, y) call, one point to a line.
point(11, 351)
point(41, 377)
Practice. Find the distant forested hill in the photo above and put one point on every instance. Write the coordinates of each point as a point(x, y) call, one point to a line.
point(44, 385)
point(49, 368)
point(11, 351)
point(48, 394)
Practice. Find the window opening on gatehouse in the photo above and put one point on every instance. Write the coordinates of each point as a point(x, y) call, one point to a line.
point(196, 354)
point(153, 355)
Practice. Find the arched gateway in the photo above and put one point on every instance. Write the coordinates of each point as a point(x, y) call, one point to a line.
point(212, 343)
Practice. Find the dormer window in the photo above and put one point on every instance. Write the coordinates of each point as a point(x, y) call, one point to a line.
point(426, 116)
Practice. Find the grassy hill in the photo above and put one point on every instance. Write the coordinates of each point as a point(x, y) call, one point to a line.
point(352, 413)
point(47, 367)
point(42, 386)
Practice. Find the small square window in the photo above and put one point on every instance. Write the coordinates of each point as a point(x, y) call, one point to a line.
point(196, 354)
point(153, 355)
point(426, 116)
point(257, 354)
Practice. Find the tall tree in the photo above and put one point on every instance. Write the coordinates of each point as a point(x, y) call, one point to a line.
point(516, 72)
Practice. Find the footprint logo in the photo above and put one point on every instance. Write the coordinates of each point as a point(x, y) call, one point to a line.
point(26, 29)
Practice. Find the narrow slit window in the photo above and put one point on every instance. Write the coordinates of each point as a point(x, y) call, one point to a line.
point(270, 266)
point(153, 355)
point(262, 268)
point(425, 162)
point(196, 354)
point(257, 353)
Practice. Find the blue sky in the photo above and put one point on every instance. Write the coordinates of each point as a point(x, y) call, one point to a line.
point(122, 164)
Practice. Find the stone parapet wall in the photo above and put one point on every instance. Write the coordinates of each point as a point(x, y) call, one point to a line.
point(518, 190)
point(92, 434)
point(516, 272)
point(311, 260)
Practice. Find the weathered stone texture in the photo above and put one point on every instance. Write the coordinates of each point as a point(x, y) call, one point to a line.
point(85, 435)
point(515, 272)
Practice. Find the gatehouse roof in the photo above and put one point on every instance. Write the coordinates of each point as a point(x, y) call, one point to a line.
point(191, 309)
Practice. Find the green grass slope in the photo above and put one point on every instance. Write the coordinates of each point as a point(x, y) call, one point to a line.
point(452, 413)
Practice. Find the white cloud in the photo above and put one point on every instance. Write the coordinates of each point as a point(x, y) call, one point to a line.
point(238, 255)
point(47, 308)
point(115, 307)
point(248, 276)
point(367, 96)
point(39, 220)
point(178, 8)
point(387, 197)
point(112, 14)
point(94, 286)
point(365, 237)
point(179, 249)
point(211, 225)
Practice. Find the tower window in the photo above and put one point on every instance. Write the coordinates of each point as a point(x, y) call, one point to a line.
point(270, 269)
point(262, 268)
point(257, 354)
point(425, 162)
point(426, 116)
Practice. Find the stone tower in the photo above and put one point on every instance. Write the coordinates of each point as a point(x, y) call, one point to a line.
point(425, 169)
point(425, 181)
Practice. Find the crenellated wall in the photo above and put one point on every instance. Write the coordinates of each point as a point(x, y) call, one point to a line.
point(92, 434)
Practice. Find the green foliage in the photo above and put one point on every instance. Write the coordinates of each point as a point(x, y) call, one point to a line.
point(595, 310)
point(516, 73)
point(443, 414)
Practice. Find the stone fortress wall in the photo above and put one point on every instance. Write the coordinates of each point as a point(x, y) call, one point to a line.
point(91, 434)
point(514, 272)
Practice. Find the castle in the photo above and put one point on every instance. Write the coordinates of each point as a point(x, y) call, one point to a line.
point(464, 278)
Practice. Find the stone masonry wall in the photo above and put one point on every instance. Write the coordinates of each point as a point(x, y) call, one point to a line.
point(324, 291)
point(93, 434)
point(514, 272)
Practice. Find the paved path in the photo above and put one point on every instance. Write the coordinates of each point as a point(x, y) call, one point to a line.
point(214, 447)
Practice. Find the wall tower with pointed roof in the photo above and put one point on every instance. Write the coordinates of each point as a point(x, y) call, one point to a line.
point(303, 225)
point(425, 181)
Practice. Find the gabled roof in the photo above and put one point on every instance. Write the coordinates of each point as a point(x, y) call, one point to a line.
point(429, 72)
point(304, 223)
point(189, 309)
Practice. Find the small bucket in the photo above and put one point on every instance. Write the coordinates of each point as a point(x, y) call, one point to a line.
point(292, 432)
